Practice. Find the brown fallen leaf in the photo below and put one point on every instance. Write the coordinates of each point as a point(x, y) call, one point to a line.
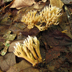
point(69, 57)
point(22, 3)
point(51, 54)
point(30, 70)
point(9, 36)
point(25, 3)
point(70, 48)
point(44, 0)
point(65, 69)
point(57, 3)
point(5, 19)
point(32, 32)
point(67, 1)
point(7, 61)
point(11, 47)
point(55, 42)
point(3, 29)
point(18, 15)
point(1, 71)
point(2, 40)
point(65, 25)
point(22, 66)
point(16, 29)
point(51, 68)
point(55, 64)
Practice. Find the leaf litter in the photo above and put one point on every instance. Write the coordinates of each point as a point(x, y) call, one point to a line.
point(7, 61)
point(55, 43)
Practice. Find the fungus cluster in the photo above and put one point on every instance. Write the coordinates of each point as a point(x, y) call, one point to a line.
point(29, 50)
point(49, 15)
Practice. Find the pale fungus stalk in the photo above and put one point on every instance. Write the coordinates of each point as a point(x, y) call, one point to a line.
point(29, 44)
point(36, 46)
point(29, 50)
point(21, 53)
point(48, 15)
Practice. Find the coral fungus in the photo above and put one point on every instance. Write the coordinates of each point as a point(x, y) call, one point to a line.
point(31, 18)
point(29, 50)
point(49, 15)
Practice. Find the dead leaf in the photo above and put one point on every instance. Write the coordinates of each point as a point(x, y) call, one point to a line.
point(44, 0)
point(66, 1)
point(3, 29)
point(51, 68)
point(7, 61)
point(5, 19)
point(6, 1)
point(69, 17)
point(70, 48)
point(24, 31)
point(69, 57)
point(11, 47)
point(22, 3)
point(9, 36)
point(55, 42)
point(64, 69)
point(2, 40)
point(65, 25)
point(22, 66)
point(32, 32)
point(43, 70)
point(55, 64)
point(1, 71)
point(26, 3)
point(39, 6)
point(21, 12)
point(52, 54)
point(31, 69)
point(57, 3)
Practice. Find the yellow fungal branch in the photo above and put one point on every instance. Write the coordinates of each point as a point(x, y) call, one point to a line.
point(29, 50)
point(31, 18)
point(49, 15)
